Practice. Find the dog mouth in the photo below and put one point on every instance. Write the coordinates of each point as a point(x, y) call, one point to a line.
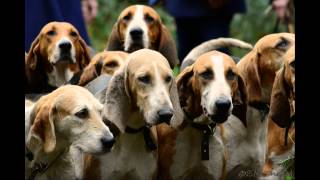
point(218, 116)
point(64, 59)
point(135, 46)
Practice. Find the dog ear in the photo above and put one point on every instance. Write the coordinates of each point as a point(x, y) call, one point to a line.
point(42, 131)
point(253, 86)
point(279, 103)
point(178, 116)
point(90, 72)
point(183, 85)
point(117, 102)
point(32, 56)
point(114, 42)
point(167, 47)
point(240, 101)
point(84, 54)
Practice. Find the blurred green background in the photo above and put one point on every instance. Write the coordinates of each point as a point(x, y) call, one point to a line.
point(248, 27)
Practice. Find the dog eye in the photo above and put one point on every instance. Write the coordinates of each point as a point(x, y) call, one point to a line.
point(230, 75)
point(149, 19)
point(83, 113)
point(127, 17)
point(168, 79)
point(111, 64)
point(207, 75)
point(282, 44)
point(51, 33)
point(144, 79)
point(73, 34)
point(292, 64)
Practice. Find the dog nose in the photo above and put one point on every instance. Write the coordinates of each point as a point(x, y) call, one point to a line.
point(223, 104)
point(107, 143)
point(136, 33)
point(165, 115)
point(65, 46)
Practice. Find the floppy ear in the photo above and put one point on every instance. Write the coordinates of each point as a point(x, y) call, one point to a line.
point(167, 47)
point(32, 56)
point(42, 132)
point(114, 42)
point(183, 85)
point(84, 54)
point(178, 116)
point(279, 104)
point(240, 101)
point(117, 103)
point(90, 72)
point(253, 81)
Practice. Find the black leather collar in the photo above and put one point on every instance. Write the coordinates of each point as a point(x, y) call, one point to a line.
point(262, 107)
point(207, 130)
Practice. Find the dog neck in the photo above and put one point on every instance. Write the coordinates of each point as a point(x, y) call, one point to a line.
point(60, 75)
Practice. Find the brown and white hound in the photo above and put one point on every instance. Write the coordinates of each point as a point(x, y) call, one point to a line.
point(258, 69)
point(140, 95)
point(55, 56)
point(139, 27)
point(282, 110)
point(106, 62)
point(210, 91)
point(60, 128)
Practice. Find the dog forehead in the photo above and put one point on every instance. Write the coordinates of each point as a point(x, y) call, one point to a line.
point(271, 40)
point(213, 59)
point(147, 58)
point(59, 27)
point(72, 96)
point(131, 9)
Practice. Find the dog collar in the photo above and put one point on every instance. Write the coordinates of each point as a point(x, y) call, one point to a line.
point(150, 145)
point(262, 107)
point(207, 130)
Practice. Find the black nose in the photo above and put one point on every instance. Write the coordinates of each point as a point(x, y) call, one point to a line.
point(165, 115)
point(223, 104)
point(107, 143)
point(136, 33)
point(65, 46)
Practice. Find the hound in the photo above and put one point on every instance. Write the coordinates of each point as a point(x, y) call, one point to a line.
point(56, 55)
point(141, 95)
point(139, 27)
point(60, 128)
point(210, 92)
point(106, 62)
point(281, 133)
point(247, 145)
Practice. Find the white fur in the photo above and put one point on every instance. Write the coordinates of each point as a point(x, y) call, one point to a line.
point(59, 77)
point(217, 88)
point(56, 52)
point(137, 22)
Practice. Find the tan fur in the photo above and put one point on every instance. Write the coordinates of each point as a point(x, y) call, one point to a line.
point(179, 150)
point(157, 36)
point(128, 103)
point(281, 109)
point(42, 62)
point(53, 130)
point(106, 62)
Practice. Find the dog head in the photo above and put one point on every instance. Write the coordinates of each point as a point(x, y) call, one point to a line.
point(214, 87)
point(106, 62)
point(69, 116)
point(139, 27)
point(259, 67)
point(282, 104)
point(59, 51)
point(145, 85)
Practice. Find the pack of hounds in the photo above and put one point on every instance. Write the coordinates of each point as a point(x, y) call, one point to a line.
point(122, 114)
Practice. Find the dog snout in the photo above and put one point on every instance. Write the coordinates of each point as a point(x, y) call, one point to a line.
point(107, 143)
point(65, 46)
point(165, 115)
point(136, 33)
point(223, 105)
